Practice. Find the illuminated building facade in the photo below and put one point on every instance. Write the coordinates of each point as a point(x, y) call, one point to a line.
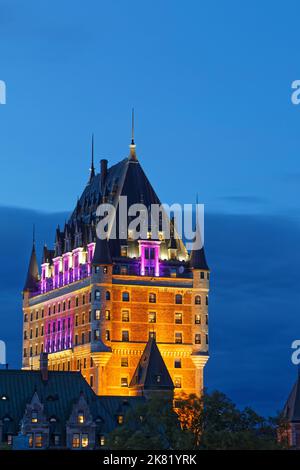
point(94, 304)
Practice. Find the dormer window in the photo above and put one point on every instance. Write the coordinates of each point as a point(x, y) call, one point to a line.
point(120, 419)
point(34, 417)
point(158, 379)
point(80, 417)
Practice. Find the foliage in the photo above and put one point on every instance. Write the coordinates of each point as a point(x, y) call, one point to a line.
point(210, 422)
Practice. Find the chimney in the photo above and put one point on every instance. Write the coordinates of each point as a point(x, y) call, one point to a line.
point(44, 366)
point(103, 170)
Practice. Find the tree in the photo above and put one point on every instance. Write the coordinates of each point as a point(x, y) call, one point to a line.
point(210, 422)
point(152, 425)
point(216, 423)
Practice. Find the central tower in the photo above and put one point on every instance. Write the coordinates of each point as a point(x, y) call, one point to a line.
point(95, 303)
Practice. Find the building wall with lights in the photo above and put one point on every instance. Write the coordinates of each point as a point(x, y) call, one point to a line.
point(94, 304)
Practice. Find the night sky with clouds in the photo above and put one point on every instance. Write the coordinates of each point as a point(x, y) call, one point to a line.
point(211, 86)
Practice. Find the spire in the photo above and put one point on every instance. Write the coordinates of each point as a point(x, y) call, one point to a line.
point(92, 169)
point(197, 257)
point(132, 146)
point(33, 269)
point(151, 373)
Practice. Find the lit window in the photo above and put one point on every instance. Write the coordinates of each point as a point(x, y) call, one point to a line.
point(198, 300)
point(4, 397)
point(76, 441)
point(107, 335)
point(152, 317)
point(105, 270)
point(177, 363)
point(177, 382)
point(125, 315)
point(198, 338)
point(80, 417)
point(84, 440)
point(124, 382)
point(120, 419)
point(96, 334)
point(125, 296)
point(124, 362)
point(178, 318)
point(124, 250)
point(197, 319)
point(102, 441)
point(158, 379)
point(38, 440)
point(9, 439)
point(178, 338)
point(97, 314)
point(30, 439)
point(152, 335)
point(107, 314)
point(178, 299)
point(152, 298)
point(34, 417)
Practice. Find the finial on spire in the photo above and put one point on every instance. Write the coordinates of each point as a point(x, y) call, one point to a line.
point(33, 234)
point(132, 155)
point(92, 169)
point(132, 126)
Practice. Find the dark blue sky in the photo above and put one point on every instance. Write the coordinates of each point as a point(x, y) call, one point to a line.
point(211, 86)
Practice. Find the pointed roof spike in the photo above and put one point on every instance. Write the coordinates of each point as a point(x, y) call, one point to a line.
point(132, 146)
point(151, 372)
point(33, 271)
point(92, 169)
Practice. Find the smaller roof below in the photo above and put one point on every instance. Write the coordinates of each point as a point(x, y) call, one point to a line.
point(151, 372)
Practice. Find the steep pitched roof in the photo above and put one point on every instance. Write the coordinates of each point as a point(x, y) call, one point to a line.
point(33, 272)
point(151, 372)
point(292, 407)
point(198, 260)
point(102, 252)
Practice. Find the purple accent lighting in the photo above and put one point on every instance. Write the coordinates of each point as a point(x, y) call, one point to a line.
point(150, 251)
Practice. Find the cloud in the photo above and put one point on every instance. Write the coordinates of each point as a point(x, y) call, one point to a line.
point(254, 298)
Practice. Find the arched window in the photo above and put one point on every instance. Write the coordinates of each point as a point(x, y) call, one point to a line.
point(178, 299)
point(97, 294)
point(198, 300)
point(125, 296)
point(107, 295)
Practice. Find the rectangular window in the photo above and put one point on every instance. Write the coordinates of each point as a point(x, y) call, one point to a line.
point(84, 440)
point(177, 382)
point(38, 440)
point(120, 419)
point(152, 334)
point(91, 381)
point(123, 270)
point(124, 382)
point(125, 336)
point(177, 363)
point(76, 441)
point(125, 315)
point(107, 314)
point(102, 441)
point(152, 317)
point(107, 335)
point(178, 318)
point(152, 298)
point(124, 250)
point(30, 439)
point(97, 334)
point(202, 275)
point(178, 338)
point(97, 314)
point(197, 319)
point(124, 361)
point(198, 338)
